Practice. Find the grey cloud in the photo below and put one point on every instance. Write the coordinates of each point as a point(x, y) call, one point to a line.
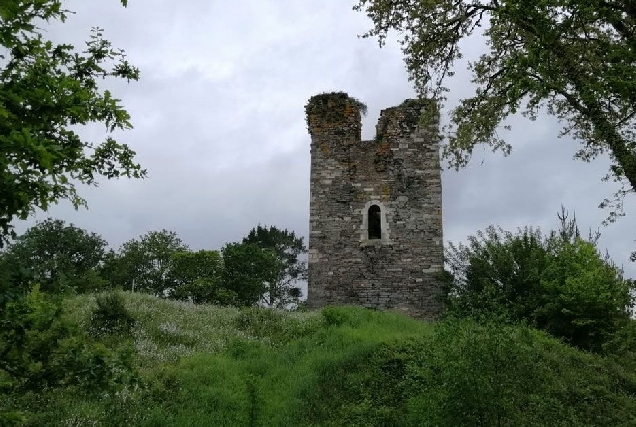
point(219, 123)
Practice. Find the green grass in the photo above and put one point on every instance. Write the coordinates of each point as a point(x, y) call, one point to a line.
point(205, 365)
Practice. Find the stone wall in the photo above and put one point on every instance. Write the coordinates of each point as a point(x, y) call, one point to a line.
point(399, 172)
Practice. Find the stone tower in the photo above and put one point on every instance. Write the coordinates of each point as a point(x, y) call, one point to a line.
point(375, 227)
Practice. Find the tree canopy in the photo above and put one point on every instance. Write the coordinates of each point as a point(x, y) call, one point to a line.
point(288, 248)
point(47, 91)
point(558, 282)
point(196, 276)
point(57, 256)
point(249, 270)
point(144, 263)
point(575, 59)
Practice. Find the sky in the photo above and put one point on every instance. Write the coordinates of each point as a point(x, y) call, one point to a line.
point(219, 124)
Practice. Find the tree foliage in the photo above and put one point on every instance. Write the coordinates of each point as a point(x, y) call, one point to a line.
point(559, 283)
point(189, 266)
point(39, 349)
point(575, 58)
point(47, 90)
point(289, 249)
point(197, 276)
point(249, 271)
point(57, 256)
point(144, 263)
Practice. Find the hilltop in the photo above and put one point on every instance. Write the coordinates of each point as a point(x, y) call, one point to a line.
point(207, 365)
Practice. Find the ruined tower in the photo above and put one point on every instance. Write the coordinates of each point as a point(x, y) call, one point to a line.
point(375, 233)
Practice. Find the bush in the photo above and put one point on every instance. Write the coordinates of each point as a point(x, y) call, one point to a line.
point(476, 375)
point(43, 352)
point(584, 299)
point(471, 374)
point(467, 374)
point(111, 315)
point(558, 283)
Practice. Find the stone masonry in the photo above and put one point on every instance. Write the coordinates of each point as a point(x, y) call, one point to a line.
point(375, 233)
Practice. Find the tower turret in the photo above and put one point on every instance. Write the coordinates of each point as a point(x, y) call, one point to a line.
point(375, 211)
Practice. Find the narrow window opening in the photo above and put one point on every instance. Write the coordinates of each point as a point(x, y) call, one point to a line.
point(375, 222)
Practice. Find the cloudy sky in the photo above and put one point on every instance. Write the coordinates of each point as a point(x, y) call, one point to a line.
point(219, 124)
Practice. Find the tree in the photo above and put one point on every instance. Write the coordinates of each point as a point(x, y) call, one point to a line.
point(584, 299)
point(46, 91)
point(288, 248)
point(497, 274)
point(189, 266)
point(113, 269)
point(196, 276)
point(144, 263)
point(559, 283)
point(57, 256)
point(249, 271)
point(576, 58)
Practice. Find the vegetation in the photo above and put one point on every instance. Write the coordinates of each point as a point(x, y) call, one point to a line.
point(558, 283)
point(46, 90)
point(574, 59)
point(537, 331)
point(110, 316)
point(143, 264)
point(288, 248)
point(249, 270)
point(63, 259)
point(206, 365)
point(59, 257)
point(42, 351)
point(329, 107)
point(196, 276)
point(537, 328)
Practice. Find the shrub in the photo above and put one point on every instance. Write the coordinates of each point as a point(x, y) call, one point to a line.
point(42, 352)
point(558, 283)
point(489, 374)
point(584, 299)
point(111, 315)
point(465, 374)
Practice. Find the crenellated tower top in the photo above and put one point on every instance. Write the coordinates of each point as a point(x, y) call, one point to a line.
point(375, 234)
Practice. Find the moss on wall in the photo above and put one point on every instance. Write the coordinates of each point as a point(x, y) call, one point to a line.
point(326, 109)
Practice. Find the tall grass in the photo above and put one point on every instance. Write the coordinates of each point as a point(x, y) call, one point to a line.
point(206, 365)
point(277, 364)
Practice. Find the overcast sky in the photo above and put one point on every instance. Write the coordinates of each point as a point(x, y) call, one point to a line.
point(219, 124)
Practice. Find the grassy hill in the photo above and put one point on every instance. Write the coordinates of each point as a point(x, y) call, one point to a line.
point(210, 366)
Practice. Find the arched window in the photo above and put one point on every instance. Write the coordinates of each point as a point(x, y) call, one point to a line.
point(375, 222)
